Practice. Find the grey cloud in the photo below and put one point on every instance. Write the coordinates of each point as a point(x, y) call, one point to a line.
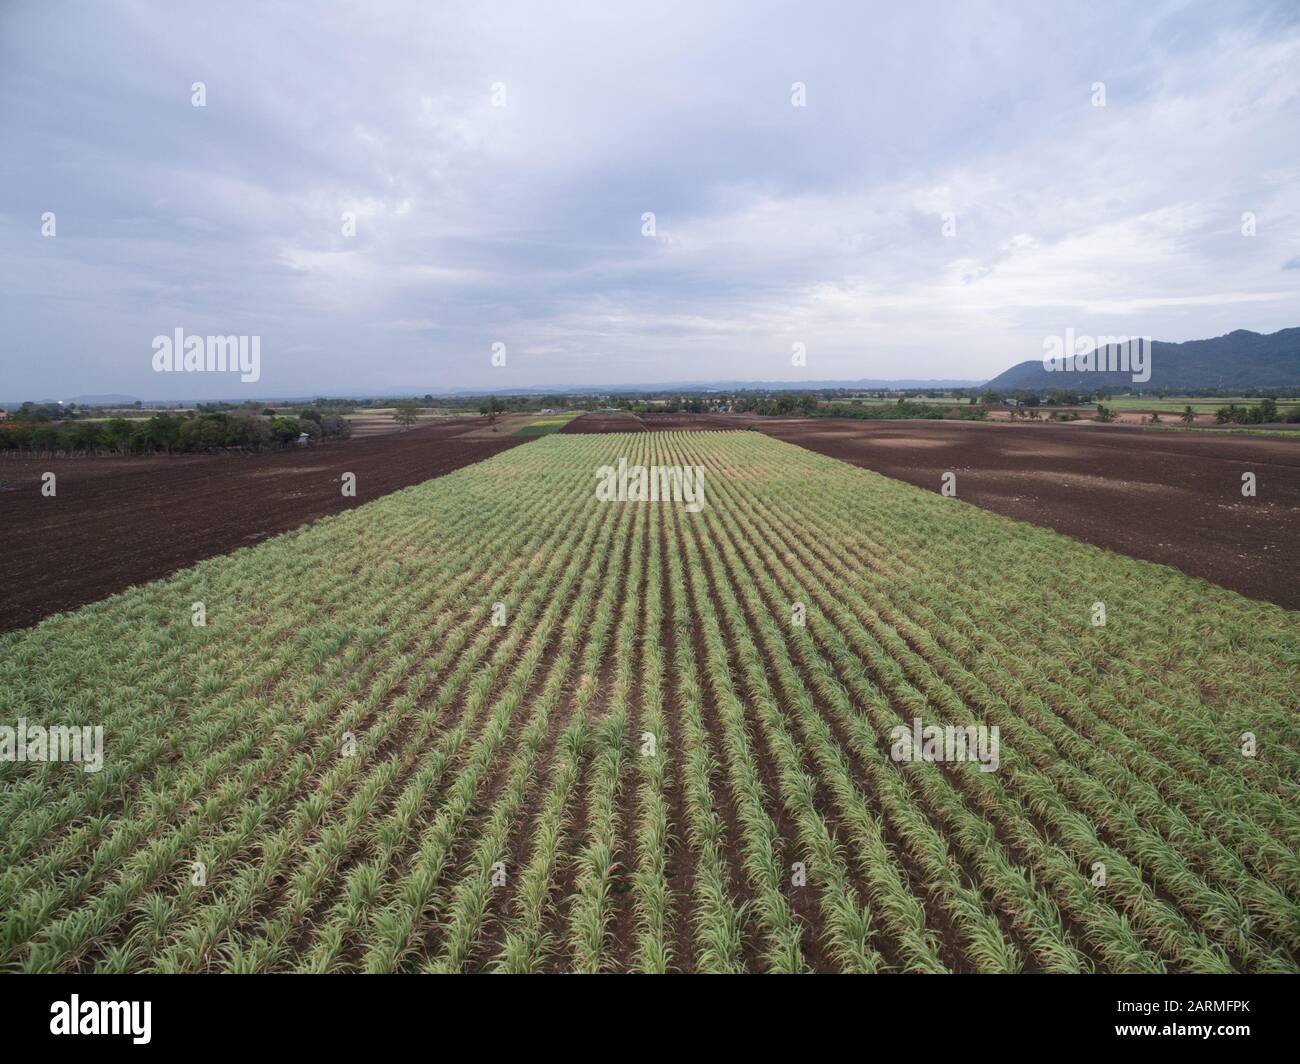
point(522, 224)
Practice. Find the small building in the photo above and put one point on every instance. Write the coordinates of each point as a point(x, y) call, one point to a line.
point(3, 414)
point(303, 439)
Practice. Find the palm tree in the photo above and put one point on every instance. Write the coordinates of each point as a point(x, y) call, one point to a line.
point(1188, 415)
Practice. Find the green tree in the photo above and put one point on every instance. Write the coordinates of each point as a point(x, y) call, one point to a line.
point(117, 435)
point(491, 408)
point(84, 436)
point(285, 428)
point(405, 414)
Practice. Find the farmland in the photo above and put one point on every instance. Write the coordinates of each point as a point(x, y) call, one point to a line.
point(1201, 404)
point(115, 522)
point(542, 425)
point(1172, 498)
point(491, 723)
point(605, 421)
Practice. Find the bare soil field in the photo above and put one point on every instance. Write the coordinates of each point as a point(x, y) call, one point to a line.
point(115, 522)
point(651, 422)
point(366, 425)
point(697, 422)
point(603, 421)
point(504, 425)
point(380, 422)
point(1164, 497)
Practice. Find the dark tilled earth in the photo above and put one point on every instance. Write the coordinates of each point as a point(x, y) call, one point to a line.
point(587, 424)
point(116, 522)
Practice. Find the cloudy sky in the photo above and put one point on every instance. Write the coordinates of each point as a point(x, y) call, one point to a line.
point(499, 158)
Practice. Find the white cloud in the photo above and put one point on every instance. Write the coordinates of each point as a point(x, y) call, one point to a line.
point(522, 223)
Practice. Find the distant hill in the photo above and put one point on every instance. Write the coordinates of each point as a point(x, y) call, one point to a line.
point(1242, 359)
point(104, 400)
point(80, 400)
point(861, 384)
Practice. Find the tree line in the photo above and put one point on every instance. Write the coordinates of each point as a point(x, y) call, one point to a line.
point(167, 433)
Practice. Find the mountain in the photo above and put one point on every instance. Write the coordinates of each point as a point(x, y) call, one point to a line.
point(103, 400)
point(1242, 359)
point(80, 400)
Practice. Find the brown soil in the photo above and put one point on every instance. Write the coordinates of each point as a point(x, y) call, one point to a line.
point(618, 421)
point(588, 424)
point(696, 422)
point(116, 522)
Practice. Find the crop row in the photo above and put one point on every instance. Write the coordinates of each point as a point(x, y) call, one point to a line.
point(493, 723)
